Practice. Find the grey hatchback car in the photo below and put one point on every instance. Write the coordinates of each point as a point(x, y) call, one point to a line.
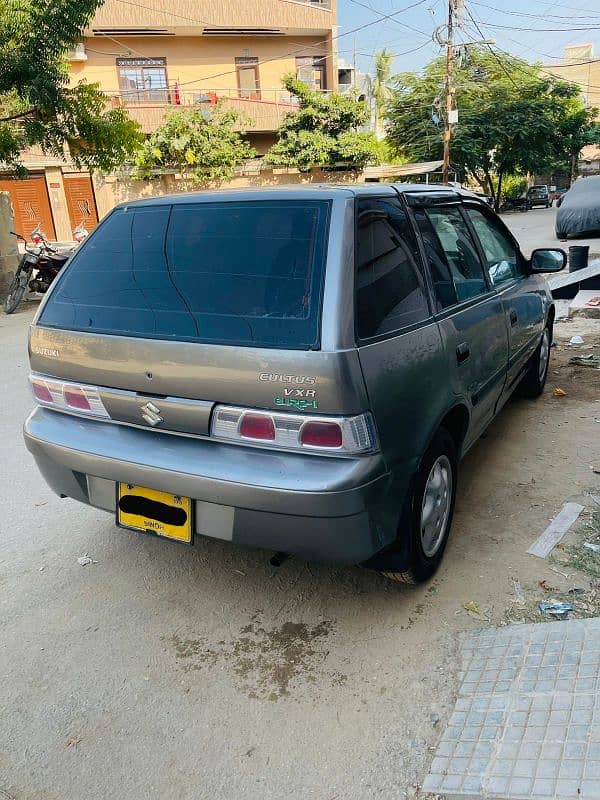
point(297, 369)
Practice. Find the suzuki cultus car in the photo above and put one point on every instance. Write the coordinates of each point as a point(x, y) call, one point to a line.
point(298, 369)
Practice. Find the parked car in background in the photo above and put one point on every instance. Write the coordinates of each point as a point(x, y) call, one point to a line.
point(298, 369)
point(557, 194)
point(538, 196)
point(579, 209)
point(514, 204)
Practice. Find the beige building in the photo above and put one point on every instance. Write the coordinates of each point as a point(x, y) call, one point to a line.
point(150, 56)
point(582, 67)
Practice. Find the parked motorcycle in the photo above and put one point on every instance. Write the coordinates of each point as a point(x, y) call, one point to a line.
point(39, 265)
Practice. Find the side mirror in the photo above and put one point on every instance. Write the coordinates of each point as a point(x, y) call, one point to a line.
point(548, 260)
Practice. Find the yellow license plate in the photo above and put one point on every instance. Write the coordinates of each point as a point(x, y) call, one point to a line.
point(151, 511)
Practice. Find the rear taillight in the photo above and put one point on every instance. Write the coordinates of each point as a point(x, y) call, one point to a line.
point(257, 426)
point(339, 435)
point(41, 392)
point(67, 396)
point(321, 434)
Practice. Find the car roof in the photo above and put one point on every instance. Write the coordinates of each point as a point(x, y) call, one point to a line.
point(316, 191)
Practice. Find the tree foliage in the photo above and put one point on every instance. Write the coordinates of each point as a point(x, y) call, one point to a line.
point(200, 143)
point(513, 118)
point(382, 91)
point(324, 131)
point(38, 106)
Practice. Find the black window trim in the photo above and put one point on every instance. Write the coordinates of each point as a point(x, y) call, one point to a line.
point(439, 312)
point(422, 276)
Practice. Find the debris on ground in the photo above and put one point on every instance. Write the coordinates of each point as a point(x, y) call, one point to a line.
point(519, 593)
point(558, 392)
point(558, 610)
point(73, 741)
point(575, 340)
point(595, 548)
point(546, 586)
point(472, 607)
point(586, 361)
point(435, 718)
point(556, 530)
point(84, 560)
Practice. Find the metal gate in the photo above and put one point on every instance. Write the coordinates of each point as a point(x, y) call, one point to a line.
point(81, 203)
point(30, 203)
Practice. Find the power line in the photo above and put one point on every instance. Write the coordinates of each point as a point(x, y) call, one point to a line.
point(579, 84)
point(384, 16)
point(492, 51)
point(282, 55)
point(534, 16)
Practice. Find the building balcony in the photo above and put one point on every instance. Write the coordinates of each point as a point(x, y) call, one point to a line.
point(261, 111)
point(211, 18)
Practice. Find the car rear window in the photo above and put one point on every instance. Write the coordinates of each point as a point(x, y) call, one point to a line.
point(240, 273)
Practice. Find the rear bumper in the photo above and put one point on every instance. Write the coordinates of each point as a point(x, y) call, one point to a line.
point(320, 508)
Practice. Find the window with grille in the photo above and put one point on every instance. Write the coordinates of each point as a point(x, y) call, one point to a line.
point(143, 80)
point(311, 70)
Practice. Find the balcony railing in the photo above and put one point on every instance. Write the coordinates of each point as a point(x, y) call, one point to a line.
point(260, 109)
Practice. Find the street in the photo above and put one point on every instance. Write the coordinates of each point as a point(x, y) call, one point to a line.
point(160, 671)
point(535, 228)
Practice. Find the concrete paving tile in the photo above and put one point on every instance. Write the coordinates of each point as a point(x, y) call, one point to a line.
point(527, 720)
point(568, 789)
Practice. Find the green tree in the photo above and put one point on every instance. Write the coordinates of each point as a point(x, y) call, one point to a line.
point(38, 106)
point(324, 131)
point(512, 117)
point(382, 92)
point(200, 143)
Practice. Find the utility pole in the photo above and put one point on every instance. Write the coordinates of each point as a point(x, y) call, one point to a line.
point(449, 92)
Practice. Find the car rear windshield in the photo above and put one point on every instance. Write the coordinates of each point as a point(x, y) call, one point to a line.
point(241, 273)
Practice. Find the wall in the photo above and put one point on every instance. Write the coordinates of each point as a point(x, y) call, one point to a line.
point(200, 59)
point(196, 15)
point(111, 190)
point(580, 66)
point(58, 203)
point(9, 254)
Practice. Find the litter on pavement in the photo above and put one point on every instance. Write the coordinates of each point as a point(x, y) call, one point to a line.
point(558, 392)
point(586, 361)
point(558, 610)
point(84, 560)
point(556, 530)
point(595, 548)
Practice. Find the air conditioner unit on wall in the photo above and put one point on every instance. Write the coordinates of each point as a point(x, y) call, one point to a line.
point(78, 53)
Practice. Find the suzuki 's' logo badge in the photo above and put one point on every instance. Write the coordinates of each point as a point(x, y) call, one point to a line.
point(151, 414)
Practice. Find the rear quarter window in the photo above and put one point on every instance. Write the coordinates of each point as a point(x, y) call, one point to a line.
point(243, 273)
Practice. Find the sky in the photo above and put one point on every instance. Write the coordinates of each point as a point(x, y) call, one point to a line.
point(537, 30)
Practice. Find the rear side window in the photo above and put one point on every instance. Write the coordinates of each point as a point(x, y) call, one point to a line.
point(390, 292)
point(244, 273)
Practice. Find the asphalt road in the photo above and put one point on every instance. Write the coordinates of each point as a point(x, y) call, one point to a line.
point(161, 671)
point(535, 228)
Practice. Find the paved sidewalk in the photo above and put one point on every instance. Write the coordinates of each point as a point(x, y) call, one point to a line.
point(527, 720)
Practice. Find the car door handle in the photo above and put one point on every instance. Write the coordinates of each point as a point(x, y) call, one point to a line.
point(513, 318)
point(463, 351)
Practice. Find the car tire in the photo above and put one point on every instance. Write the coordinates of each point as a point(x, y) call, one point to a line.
point(426, 517)
point(533, 382)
